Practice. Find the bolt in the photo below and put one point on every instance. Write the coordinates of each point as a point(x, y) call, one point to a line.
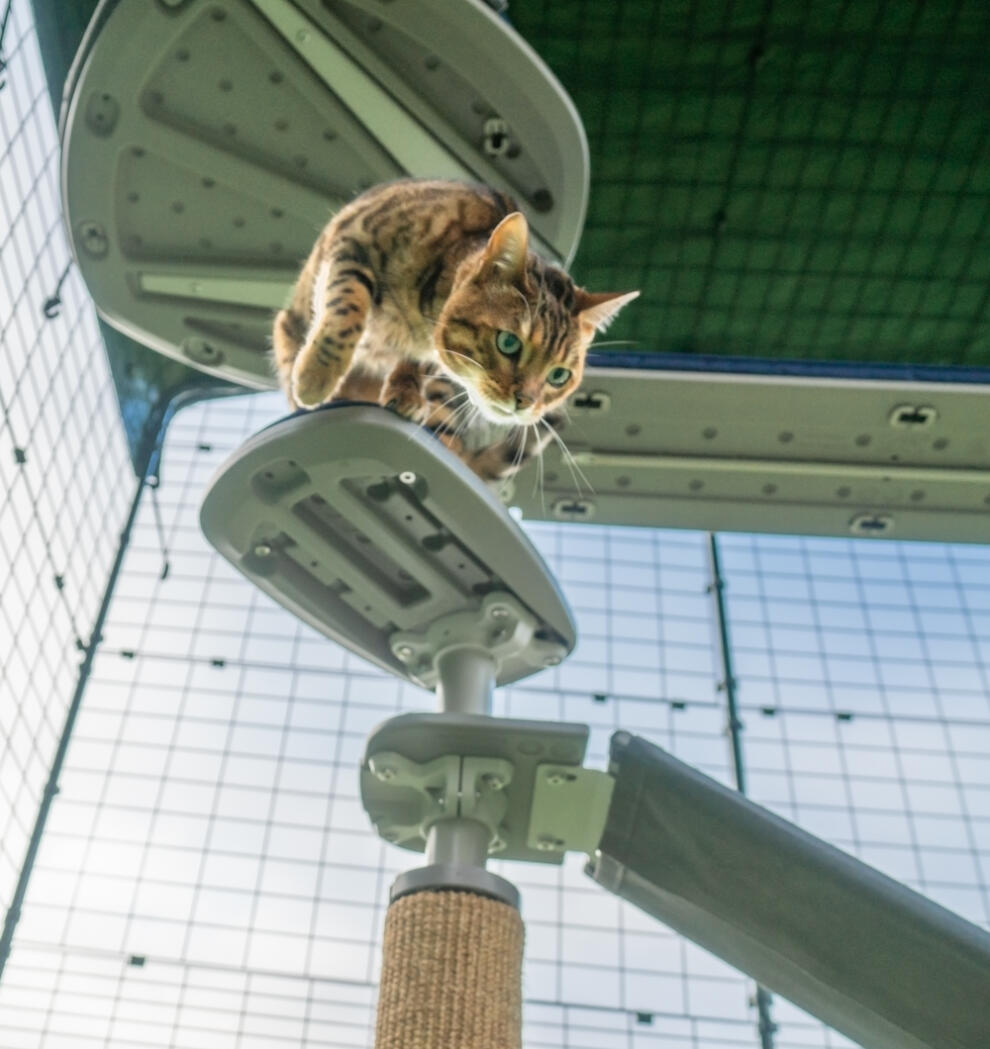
point(556, 779)
point(384, 773)
point(500, 635)
point(498, 612)
point(404, 652)
point(263, 550)
point(551, 661)
point(407, 477)
point(493, 780)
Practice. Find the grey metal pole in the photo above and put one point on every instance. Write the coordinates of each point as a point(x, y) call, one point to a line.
point(463, 842)
point(716, 587)
point(467, 678)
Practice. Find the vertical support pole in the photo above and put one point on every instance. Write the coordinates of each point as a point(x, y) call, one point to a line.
point(467, 678)
point(149, 464)
point(727, 685)
point(452, 951)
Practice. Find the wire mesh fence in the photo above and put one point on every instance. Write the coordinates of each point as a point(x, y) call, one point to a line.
point(64, 479)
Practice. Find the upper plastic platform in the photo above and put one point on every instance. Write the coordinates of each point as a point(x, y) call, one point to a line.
point(206, 142)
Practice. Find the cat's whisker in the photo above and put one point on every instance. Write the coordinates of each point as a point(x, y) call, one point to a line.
point(462, 417)
point(541, 471)
point(520, 448)
point(471, 418)
point(464, 356)
point(615, 342)
point(453, 397)
point(577, 473)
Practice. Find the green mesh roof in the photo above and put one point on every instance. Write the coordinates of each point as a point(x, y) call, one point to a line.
point(806, 180)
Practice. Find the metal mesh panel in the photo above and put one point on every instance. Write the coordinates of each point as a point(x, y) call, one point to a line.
point(864, 683)
point(65, 481)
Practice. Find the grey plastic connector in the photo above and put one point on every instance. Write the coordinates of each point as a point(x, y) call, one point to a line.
point(459, 877)
point(449, 788)
point(570, 806)
point(463, 652)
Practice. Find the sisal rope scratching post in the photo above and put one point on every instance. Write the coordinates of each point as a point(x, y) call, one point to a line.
point(451, 973)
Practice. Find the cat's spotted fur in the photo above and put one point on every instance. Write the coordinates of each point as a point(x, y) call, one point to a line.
point(422, 295)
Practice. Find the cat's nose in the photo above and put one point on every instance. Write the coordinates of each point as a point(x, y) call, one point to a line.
point(523, 400)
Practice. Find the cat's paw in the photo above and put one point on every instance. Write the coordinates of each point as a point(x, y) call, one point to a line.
point(310, 387)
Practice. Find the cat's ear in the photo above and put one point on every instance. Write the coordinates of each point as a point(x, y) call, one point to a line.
point(598, 309)
point(505, 253)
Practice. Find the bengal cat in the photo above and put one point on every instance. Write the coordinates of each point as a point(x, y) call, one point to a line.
point(422, 295)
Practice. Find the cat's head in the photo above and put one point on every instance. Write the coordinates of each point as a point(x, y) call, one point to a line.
point(515, 330)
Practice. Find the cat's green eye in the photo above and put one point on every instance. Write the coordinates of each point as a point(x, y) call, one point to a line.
point(558, 376)
point(508, 343)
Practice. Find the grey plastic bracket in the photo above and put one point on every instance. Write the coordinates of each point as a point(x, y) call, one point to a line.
point(503, 628)
point(570, 806)
point(446, 788)
point(420, 769)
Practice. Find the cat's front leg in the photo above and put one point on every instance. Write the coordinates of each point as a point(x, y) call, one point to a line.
point(342, 296)
point(402, 391)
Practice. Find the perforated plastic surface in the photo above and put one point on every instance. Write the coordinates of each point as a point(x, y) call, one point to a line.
point(367, 528)
point(206, 142)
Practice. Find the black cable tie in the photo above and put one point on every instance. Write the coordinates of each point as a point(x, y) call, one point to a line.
point(20, 456)
point(60, 582)
point(51, 305)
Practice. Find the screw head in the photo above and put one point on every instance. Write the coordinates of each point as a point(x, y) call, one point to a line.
point(556, 779)
point(404, 652)
point(385, 773)
point(263, 550)
point(407, 477)
point(493, 781)
point(551, 661)
point(94, 239)
point(498, 612)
